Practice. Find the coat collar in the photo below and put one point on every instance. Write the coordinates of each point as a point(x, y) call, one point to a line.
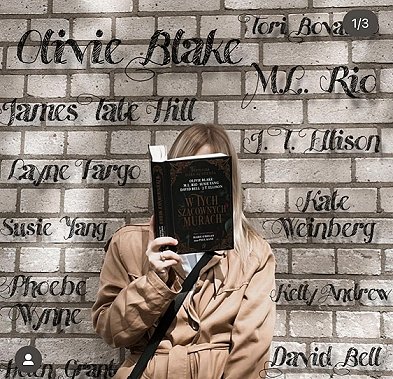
point(218, 255)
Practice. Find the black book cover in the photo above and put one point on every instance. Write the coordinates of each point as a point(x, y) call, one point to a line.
point(192, 200)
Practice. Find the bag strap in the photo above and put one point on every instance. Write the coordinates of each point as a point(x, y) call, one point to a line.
point(168, 316)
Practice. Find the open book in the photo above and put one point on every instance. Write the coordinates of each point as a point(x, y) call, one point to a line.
point(192, 200)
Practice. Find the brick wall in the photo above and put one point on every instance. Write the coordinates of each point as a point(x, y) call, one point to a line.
point(316, 163)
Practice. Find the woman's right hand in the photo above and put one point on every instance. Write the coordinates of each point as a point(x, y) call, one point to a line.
point(161, 261)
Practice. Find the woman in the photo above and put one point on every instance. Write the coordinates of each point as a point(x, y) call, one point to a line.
point(225, 326)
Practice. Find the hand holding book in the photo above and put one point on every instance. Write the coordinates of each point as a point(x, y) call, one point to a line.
point(161, 261)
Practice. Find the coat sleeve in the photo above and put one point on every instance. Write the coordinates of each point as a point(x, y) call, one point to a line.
point(128, 301)
point(253, 327)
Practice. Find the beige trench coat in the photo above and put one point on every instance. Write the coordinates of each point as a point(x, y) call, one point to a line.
point(223, 330)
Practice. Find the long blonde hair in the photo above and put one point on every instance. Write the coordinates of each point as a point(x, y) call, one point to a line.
point(188, 142)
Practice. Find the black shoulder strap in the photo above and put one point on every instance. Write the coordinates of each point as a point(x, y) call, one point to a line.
point(168, 317)
point(106, 247)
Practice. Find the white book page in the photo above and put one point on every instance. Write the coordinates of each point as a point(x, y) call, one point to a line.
point(158, 153)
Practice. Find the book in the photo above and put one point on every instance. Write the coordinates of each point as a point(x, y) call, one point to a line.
point(192, 200)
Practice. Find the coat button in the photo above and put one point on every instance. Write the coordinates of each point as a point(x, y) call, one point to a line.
point(194, 326)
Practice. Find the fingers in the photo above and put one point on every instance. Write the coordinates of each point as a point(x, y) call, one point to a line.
point(169, 257)
point(162, 261)
point(156, 244)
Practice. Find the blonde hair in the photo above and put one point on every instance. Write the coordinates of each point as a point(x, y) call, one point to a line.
point(188, 142)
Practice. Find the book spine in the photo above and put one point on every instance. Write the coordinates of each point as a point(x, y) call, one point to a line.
point(169, 205)
point(159, 191)
point(162, 202)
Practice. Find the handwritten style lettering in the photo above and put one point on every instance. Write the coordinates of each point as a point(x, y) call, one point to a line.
point(173, 110)
point(21, 171)
point(23, 229)
point(272, 78)
point(289, 293)
point(282, 357)
point(45, 371)
point(320, 141)
point(308, 27)
point(323, 229)
point(311, 295)
point(268, 27)
point(38, 112)
point(199, 52)
point(57, 173)
point(101, 171)
point(72, 369)
point(353, 294)
point(337, 140)
point(60, 45)
point(21, 285)
point(323, 202)
point(49, 316)
point(84, 229)
point(114, 112)
point(350, 84)
point(354, 357)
